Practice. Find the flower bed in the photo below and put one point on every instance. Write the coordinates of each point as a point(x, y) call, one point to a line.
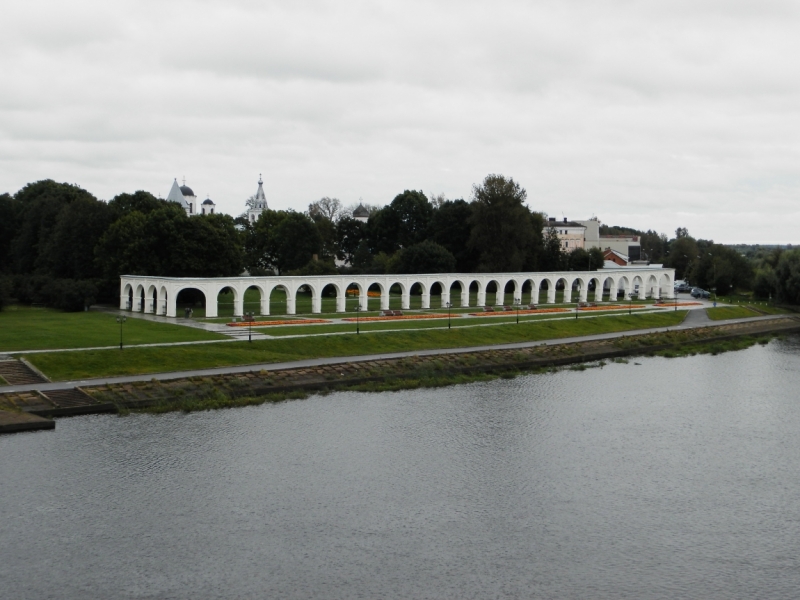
point(669, 304)
point(281, 322)
point(506, 313)
point(400, 318)
point(616, 307)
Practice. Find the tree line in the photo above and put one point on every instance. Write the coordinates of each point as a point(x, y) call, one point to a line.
point(61, 246)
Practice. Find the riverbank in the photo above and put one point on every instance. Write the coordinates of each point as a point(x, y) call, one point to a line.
point(255, 387)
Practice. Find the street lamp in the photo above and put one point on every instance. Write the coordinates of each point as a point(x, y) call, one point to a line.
point(249, 316)
point(121, 319)
point(449, 305)
point(358, 311)
point(517, 302)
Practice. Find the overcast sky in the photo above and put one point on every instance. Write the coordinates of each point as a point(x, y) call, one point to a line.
point(646, 114)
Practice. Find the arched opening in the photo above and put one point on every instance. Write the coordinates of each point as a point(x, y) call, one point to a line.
point(595, 289)
point(576, 289)
point(415, 293)
point(510, 295)
point(474, 293)
point(330, 297)
point(140, 299)
point(526, 292)
point(652, 287)
point(436, 290)
point(162, 309)
point(492, 288)
point(638, 288)
point(253, 300)
point(374, 293)
point(396, 291)
point(128, 294)
point(562, 292)
point(623, 286)
point(666, 286)
point(546, 290)
point(279, 300)
point(226, 302)
point(457, 289)
point(190, 302)
point(152, 300)
point(608, 290)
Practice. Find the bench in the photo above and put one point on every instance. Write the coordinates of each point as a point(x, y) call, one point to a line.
point(249, 319)
point(488, 309)
point(392, 313)
point(531, 307)
point(508, 308)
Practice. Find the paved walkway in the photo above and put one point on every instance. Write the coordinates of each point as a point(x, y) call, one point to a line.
point(313, 362)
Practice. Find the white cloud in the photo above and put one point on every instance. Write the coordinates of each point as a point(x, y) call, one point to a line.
point(653, 115)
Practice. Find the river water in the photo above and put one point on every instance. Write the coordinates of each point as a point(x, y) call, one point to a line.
point(671, 478)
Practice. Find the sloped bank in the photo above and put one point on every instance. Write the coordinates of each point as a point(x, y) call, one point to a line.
point(200, 393)
point(218, 391)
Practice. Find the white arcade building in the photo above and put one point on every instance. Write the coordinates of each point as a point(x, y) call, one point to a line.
point(159, 294)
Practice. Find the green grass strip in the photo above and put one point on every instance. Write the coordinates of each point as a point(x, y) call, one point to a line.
point(100, 363)
point(26, 328)
point(722, 313)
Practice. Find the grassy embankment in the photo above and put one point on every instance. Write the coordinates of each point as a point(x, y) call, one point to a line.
point(722, 313)
point(99, 363)
point(225, 391)
point(26, 328)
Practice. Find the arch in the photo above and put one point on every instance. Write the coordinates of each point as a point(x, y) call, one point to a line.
point(227, 307)
point(597, 287)
point(254, 300)
point(280, 300)
point(139, 299)
point(564, 285)
point(329, 290)
point(625, 285)
point(126, 299)
point(424, 295)
point(639, 287)
point(381, 301)
point(578, 289)
point(651, 287)
point(666, 286)
point(192, 298)
point(507, 296)
point(151, 303)
point(443, 293)
point(498, 292)
point(398, 293)
point(528, 291)
point(356, 292)
point(548, 285)
point(610, 284)
point(163, 308)
point(462, 299)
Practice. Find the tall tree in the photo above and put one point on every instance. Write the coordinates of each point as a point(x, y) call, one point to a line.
point(350, 233)
point(450, 227)
point(502, 230)
point(9, 224)
point(404, 222)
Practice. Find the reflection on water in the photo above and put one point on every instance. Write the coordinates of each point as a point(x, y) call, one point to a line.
point(672, 478)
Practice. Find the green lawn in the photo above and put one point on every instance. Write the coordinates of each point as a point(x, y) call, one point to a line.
point(97, 363)
point(26, 328)
point(721, 313)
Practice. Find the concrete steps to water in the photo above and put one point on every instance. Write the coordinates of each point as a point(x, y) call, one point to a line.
point(16, 372)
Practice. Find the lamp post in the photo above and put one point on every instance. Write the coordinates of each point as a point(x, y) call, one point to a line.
point(517, 302)
point(249, 316)
point(449, 305)
point(358, 311)
point(121, 319)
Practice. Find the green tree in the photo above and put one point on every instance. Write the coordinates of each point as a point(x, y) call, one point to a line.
point(40, 204)
point(425, 257)
point(10, 210)
point(140, 201)
point(502, 230)
point(403, 223)
point(281, 241)
point(553, 257)
point(451, 228)
point(350, 233)
point(683, 251)
point(787, 277)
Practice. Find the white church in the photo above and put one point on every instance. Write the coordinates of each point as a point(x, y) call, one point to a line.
point(183, 195)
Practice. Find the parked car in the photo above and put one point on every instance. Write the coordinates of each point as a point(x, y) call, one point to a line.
point(700, 293)
point(683, 287)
